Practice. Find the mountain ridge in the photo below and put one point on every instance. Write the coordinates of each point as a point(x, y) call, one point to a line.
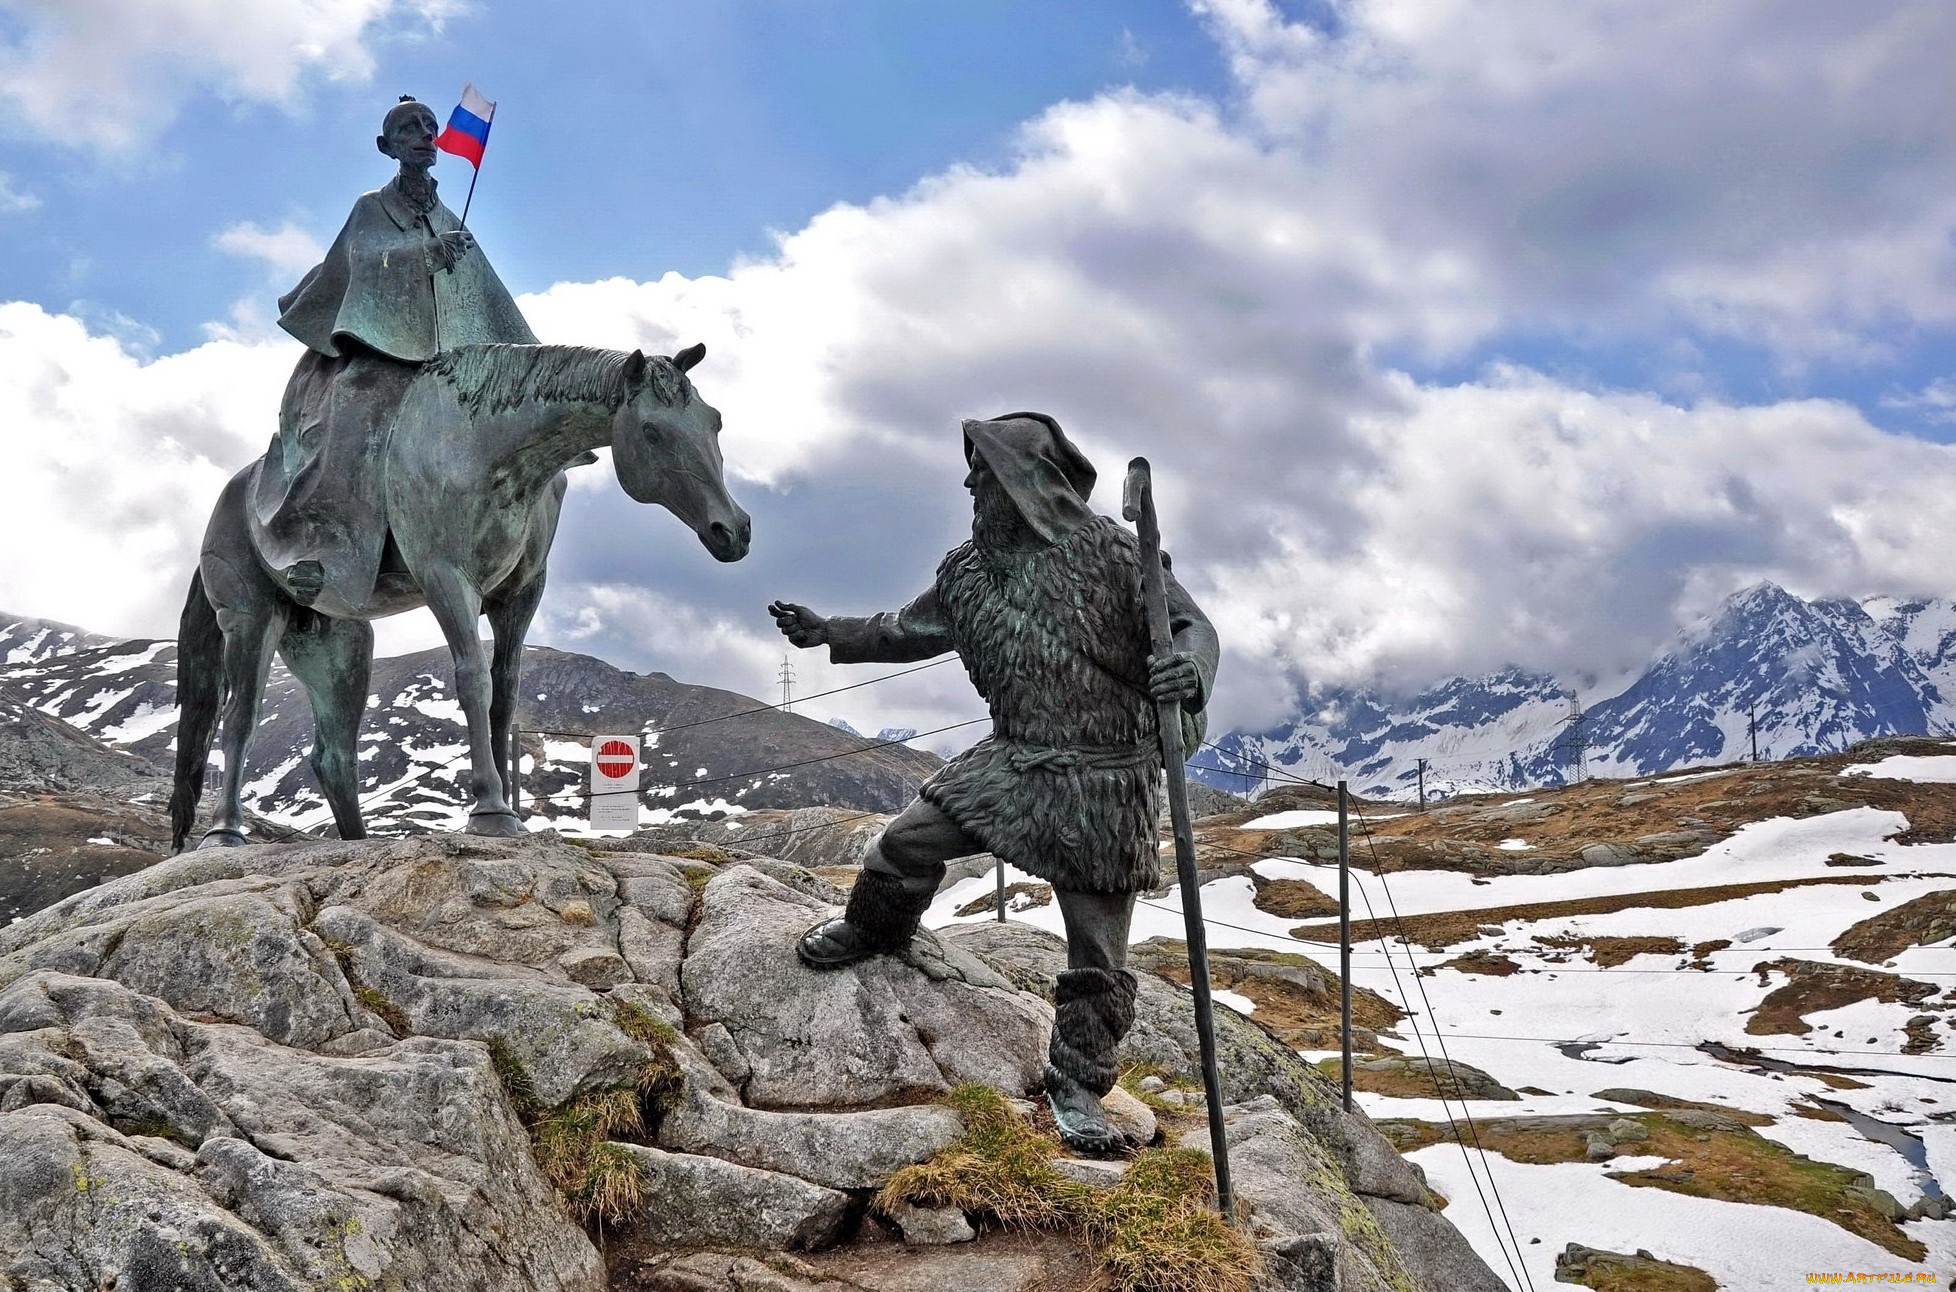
point(707, 752)
point(1799, 676)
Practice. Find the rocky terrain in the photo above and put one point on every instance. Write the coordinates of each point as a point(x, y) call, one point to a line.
point(1691, 1031)
point(531, 1065)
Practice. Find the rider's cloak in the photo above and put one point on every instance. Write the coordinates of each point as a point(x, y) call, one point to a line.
point(376, 286)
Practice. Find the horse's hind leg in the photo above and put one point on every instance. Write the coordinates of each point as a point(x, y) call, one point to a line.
point(252, 614)
point(332, 659)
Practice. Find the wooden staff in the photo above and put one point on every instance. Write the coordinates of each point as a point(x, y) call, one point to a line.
point(1138, 506)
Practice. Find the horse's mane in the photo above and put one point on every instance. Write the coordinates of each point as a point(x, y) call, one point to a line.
point(493, 378)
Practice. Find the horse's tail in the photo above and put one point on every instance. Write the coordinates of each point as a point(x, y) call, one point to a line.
point(200, 690)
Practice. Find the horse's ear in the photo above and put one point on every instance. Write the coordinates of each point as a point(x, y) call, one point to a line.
point(635, 369)
point(691, 355)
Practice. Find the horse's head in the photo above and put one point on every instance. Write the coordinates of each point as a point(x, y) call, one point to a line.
point(665, 444)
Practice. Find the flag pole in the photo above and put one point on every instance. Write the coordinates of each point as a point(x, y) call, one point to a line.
point(475, 171)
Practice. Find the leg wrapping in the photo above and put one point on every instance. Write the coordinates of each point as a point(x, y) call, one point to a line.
point(1093, 1010)
point(886, 915)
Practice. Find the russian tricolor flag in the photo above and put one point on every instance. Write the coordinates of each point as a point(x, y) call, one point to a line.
point(468, 127)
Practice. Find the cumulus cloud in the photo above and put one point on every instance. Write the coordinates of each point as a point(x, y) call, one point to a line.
point(111, 463)
point(1240, 290)
point(110, 73)
point(1221, 287)
point(1768, 170)
point(286, 250)
point(1936, 401)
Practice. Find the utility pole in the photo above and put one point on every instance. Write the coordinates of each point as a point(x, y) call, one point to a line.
point(1578, 744)
point(1752, 729)
point(1422, 785)
point(787, 685)
point(1345, 944)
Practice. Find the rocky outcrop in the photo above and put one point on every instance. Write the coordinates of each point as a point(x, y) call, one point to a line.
point(393, 1063)
point(1327, 1190)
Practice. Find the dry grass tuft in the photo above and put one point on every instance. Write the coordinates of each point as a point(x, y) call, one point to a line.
point(1156, 1231)
point(516, 1081)
point(390, 1013)
point(1002, 1168)
point(661, 1080)
point(600, 1182)
point(598, 1179)
point(704, 852)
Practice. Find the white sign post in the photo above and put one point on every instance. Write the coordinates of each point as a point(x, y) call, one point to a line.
point(614, 783)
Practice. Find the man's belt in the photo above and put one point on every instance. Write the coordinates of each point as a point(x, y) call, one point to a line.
point(1023, 757)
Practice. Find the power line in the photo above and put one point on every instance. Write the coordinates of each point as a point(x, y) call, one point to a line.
point(1446, 1058)
point(759, 708)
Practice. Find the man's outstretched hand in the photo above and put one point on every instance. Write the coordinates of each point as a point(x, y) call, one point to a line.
point(799, 624)
point(1174, 678)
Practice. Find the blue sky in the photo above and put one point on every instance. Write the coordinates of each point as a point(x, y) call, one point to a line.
point(635, 139)
point(1462, 332)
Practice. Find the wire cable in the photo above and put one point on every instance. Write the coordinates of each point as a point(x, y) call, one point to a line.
point(1434, 1020)
point(762, 708)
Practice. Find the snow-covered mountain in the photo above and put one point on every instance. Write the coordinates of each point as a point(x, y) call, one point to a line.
point(1797, 676)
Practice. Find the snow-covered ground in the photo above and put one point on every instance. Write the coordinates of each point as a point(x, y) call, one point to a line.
point(1646, 1020)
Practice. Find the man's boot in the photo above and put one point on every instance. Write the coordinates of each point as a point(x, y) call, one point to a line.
point(882, 916)
point(1093, 1009)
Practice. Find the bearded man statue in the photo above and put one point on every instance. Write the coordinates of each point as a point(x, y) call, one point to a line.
point(1044, 608)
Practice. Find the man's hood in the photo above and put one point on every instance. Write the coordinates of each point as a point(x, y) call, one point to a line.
point(1044, 473)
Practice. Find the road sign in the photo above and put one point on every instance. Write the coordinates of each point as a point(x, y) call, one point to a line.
point(614, 782)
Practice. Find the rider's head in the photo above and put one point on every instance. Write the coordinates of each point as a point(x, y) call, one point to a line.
point(407, 134)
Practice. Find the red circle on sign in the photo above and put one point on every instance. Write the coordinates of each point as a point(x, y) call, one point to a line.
point(615, 759)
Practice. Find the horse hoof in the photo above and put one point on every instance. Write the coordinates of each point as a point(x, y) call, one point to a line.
point(501, 825)
point(222, 838)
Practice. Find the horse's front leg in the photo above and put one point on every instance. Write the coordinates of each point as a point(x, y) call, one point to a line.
point(457, 607)
point(509, 618)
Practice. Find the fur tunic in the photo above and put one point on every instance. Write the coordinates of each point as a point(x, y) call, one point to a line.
point(1068, 786)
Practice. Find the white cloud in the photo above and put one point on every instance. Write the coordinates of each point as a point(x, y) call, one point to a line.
point(287, 249)
point(1935, 401)
point(1518, 520)
point(111, 464)
point(13, 201)
point(1217, 291)
point(1771, 170)
point(111, 73)
point(1228, 290)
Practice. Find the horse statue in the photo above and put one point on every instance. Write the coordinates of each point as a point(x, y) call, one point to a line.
point(463, 490)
